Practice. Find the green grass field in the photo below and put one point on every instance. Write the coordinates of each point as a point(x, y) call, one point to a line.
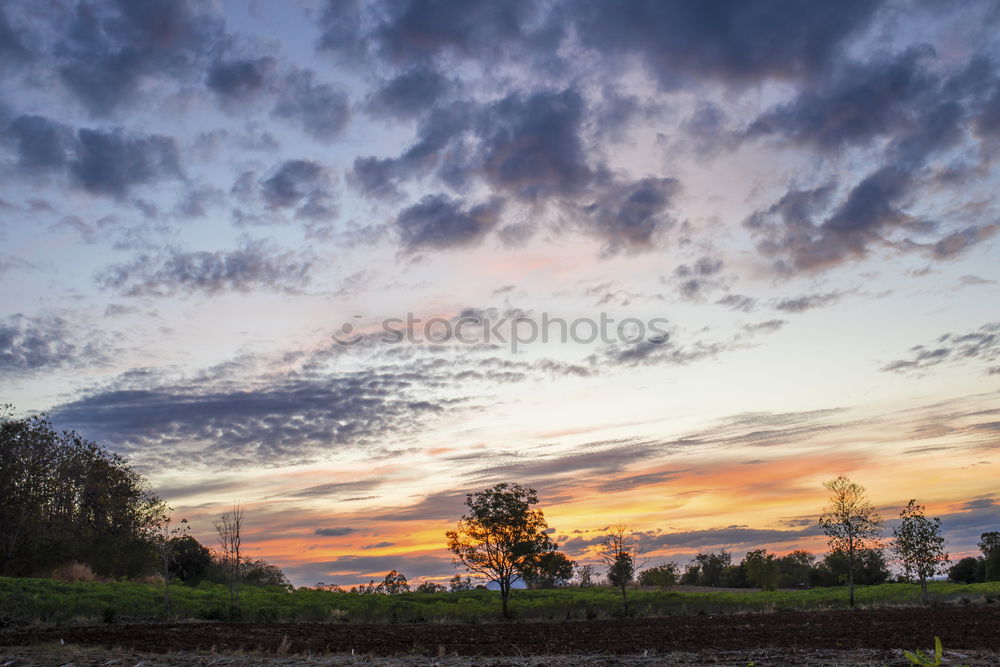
point(47, 601)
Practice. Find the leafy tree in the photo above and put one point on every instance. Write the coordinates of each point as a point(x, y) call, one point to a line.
point(394, 584)
point(67, 499)
point(259, 572)
point(919, 545)
point(585, 576)
point(550, 570)
point(969, 570)
point(664, 575)
point(850, 523)
point(458, 584)
point(870, 568)
point(190, 561)
point(762, 569)
point(692, 575)
point(431, 587)
point(794, 569)
point(712, 568)
point(500, 536)
point(620, 553)
point(989, 544)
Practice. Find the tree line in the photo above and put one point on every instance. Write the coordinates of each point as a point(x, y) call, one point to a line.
point(66, 500)
point(71, 505)
point(502, 538)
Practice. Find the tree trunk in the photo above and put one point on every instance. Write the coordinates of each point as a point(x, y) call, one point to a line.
point(625, 600)
point(923, 589)
point(850, 574)
point(504, 592)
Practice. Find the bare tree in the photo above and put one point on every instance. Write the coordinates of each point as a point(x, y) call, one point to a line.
point(165, 541)
point(228, 527)
point(851, 523)
point(620, 552)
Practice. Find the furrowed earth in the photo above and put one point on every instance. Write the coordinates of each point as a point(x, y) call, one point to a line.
point(970, 634)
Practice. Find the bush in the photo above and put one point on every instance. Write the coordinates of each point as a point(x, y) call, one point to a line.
point(74, 572)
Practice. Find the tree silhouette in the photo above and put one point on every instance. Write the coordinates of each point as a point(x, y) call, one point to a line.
point(919, 545)
point(500, 536)
point(620, 553)
point(850, 523)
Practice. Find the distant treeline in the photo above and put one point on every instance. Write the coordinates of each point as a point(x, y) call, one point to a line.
point(71, 505)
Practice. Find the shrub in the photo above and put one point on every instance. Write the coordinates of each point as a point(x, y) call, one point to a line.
point(73, 572)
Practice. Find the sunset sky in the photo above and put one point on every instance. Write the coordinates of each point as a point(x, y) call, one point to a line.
point(197, 200)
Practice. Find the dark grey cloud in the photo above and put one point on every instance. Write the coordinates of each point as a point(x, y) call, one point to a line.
point(409, 94)
point(12, 48)
point(442, 126)
point(800, 304)
point(437, 222)
point(321, 110)
point(863, 101)
point(105, 50)
point(47, 342)
point(252, 266)
point(239, 80)
point(442, 505)
point(730, 537)
point(334, 532)
point(531, 144)
point(107, 162)
point(906, 110)
point(634, 481)
point(378, 545)
point(682, 43)
point(418, 31)
point(300, 184)
point(591, 463)
point(337, 488)
point(981, 346)
point(630, 216)
point(266, 420)
point(113, 162)
point(39, 142)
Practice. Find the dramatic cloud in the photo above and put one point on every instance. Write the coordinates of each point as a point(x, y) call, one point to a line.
point(108, 49)
point(271, 421)
point(981, 346)
point(254, 265)
point(300, 184)
point(102, 162)
point(437, 222)
point(39, 143)
point(333, 532)
point(729, 40)
point(113, 162)
point(531, 145)
point(320, 109)
point(630, 216)
point(236, 80)
point(408, 95)
point(30, 344)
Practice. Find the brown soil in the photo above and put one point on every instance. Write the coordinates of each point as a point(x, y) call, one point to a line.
point(724, 639)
